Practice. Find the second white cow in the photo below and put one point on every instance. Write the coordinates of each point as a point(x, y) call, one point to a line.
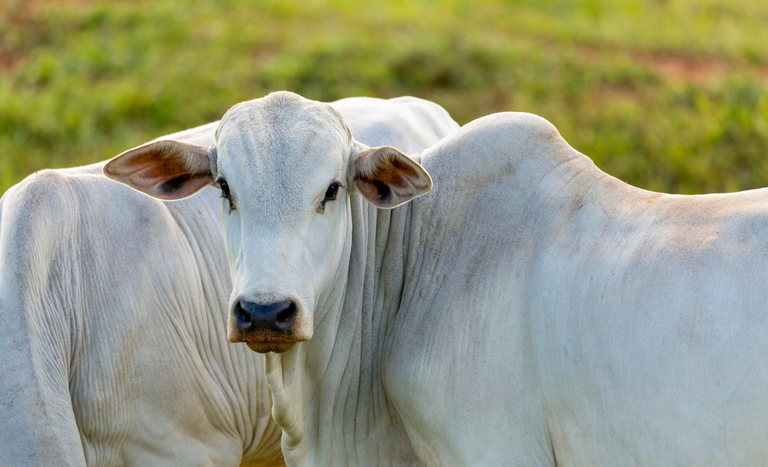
point(529, 310)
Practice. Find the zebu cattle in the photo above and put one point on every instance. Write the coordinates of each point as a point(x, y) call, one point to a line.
point(529, 310)
point(113, 346)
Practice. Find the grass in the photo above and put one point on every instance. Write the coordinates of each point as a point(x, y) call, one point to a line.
point(668, 95)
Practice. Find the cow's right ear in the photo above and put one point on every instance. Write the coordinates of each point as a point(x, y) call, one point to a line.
point(164, 169)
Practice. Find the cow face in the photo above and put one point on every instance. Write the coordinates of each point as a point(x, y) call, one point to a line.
point(286, 167)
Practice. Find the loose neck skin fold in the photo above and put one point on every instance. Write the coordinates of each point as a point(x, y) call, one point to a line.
point(336, 375)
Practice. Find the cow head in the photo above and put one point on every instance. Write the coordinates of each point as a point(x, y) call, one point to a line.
point(286, 167)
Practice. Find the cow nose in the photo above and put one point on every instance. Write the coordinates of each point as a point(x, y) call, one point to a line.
point(276, 316)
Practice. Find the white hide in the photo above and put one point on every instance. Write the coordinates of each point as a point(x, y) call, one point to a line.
point(113, 348)
point(529, 310)
point(112, 345)
point(552, 315)
point(574, 319)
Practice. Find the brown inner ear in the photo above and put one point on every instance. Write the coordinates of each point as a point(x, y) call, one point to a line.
point(399, 176)
point(374, 189)
point(166, 170)
point(386, 178)
point(175, 184)
point(150, 166)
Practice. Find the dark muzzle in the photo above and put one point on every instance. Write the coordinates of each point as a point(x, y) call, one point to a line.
point(273, 319)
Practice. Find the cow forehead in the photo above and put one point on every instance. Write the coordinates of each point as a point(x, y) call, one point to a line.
point(279, 153)
point(282, 135)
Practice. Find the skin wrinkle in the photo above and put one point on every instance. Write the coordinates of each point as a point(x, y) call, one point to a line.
point(208, 360)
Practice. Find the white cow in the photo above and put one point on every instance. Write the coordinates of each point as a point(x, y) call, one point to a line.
point(529, 310)
point(113, 306)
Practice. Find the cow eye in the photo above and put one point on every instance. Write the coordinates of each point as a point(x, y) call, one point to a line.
point(224, 189)
point(330, 195)
point(226, 194)
point(331, 192)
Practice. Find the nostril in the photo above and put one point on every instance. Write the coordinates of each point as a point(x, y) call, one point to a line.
point(286, 316)
point(243, 317)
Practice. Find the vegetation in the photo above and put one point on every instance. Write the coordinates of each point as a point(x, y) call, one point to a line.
point(668, 95)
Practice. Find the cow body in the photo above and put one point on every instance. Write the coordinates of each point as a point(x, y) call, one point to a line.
point(574, 319)
point(528, 310)
point(113, 348)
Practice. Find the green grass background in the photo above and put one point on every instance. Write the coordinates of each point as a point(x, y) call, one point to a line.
point(668, 95)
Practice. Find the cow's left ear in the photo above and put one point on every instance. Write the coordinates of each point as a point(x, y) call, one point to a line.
point(388, 178)
point(163, 169)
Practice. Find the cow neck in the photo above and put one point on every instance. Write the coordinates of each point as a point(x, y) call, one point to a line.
point(336, 375)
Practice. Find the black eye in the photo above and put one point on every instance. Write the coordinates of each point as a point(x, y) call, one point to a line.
point(331, 192)
point(226, 194)
point(330, 195)
point(224, 189)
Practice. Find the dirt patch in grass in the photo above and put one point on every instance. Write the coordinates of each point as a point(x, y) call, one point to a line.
point(21, 8)
point(696, 69)
point(676, 68)
point(37, 3)
point(7, 60)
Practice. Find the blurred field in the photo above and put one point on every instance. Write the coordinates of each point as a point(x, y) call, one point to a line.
point(669, 95)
